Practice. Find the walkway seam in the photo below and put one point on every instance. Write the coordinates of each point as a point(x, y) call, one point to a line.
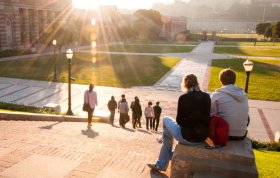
point(266, 125)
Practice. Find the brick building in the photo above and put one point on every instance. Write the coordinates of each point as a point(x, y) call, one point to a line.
point(22, 21)
point(172, 26)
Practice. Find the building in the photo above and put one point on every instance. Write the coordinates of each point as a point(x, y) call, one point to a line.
point(23, 21)
point(172, 26)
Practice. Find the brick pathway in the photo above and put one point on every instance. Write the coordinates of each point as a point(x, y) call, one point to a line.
point(102, 151)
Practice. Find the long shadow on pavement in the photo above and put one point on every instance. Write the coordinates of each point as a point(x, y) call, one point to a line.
point(49, 127)
point(144, 131)
point(90, 133)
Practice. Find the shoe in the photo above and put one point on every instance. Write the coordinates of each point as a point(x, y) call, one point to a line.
point(154, 167)
point(89, 126)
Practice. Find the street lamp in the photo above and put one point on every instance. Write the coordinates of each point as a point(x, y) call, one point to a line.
point(248, 66)
point(69, 56)
point(55, 74)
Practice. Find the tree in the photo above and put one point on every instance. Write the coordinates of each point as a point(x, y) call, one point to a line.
point(148, 23)
point(261, 27)
point(268, 32)
point(277, 30)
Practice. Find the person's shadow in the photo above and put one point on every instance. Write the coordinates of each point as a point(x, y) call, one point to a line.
point(90, 133)
point(49, 127)
point(144, 131)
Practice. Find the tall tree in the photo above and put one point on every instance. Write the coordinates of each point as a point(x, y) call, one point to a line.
point(277, 30)
point(148, 23)
point(261, 27)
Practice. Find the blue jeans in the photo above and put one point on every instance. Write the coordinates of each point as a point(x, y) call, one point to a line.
point(170, 130)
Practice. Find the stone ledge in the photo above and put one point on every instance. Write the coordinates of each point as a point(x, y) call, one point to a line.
point(47, 117)
point(234, 160)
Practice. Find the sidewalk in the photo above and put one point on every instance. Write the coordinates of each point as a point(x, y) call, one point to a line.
point(68, 149)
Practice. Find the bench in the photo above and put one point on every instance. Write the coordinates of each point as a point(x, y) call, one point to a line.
point(235, 160)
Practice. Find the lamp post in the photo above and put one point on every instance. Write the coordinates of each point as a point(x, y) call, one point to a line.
point(69, 56)
point(248, 67)
point(55, 74)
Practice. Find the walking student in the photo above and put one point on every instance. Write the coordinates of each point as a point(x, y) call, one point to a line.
point(157, 112)
point(136, 113)
point(149, 114)
point(123, 110)
point(112, 106)
point(90, 97)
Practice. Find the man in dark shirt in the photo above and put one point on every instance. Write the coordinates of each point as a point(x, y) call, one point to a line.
point(112, 106)
point(157, 111)
point(191, 125)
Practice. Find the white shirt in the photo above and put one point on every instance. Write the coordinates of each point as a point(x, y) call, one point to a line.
point(231, 103)
point(91, 98)
point(149, 111)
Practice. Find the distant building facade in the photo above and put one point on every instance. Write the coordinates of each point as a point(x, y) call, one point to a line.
point(172, 26)
point(22, 21)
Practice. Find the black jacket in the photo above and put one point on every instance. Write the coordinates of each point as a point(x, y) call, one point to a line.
point(112, 105)
point(136, 109)
point(193, 115)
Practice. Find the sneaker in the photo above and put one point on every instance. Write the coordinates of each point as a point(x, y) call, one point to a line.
point(154, 167)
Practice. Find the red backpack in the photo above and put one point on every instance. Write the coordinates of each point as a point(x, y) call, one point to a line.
point(219, 129)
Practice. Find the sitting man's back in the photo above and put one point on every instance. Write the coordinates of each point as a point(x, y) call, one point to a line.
point(231, 103)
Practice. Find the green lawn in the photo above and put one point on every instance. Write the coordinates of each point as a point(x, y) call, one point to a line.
point(267, 163)
point(232, 43)
point(146, 48)
point(264, 80)
point(249, 51)
point(236, 35)
point(104, 70)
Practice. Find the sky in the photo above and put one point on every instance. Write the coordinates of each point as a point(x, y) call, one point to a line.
point(123, 4)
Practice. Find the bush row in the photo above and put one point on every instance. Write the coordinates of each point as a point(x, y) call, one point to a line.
point(269, 146)
point(23, 108)
point(14, 52)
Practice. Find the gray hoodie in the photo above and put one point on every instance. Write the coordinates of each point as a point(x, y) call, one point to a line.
point(231, 103)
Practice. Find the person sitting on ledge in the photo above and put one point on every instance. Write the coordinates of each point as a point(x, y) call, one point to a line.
point(231, 103)
point(191, 125)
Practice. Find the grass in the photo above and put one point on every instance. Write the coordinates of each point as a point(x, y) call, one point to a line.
point(232, 43)
point(264, 79)
point(249, 51)
point(105, 70)
point(241, 35)
point(267, 163)
point(146, 48)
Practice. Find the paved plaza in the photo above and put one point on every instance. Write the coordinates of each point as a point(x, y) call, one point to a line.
point(104, 151)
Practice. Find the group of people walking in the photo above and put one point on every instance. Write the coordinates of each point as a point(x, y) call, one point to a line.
point(152, 113)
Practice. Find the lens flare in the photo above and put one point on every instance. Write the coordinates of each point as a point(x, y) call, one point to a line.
point(93, 44)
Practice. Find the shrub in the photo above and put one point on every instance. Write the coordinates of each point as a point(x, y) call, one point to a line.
point(13, 52)
point(23, 108)
point(269, 146)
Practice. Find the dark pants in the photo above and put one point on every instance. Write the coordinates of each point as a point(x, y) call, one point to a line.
point(123, 119)
point(155, 123)
point(90, 113)
point(149, 121)
point(112, 117)
point(136, 119)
